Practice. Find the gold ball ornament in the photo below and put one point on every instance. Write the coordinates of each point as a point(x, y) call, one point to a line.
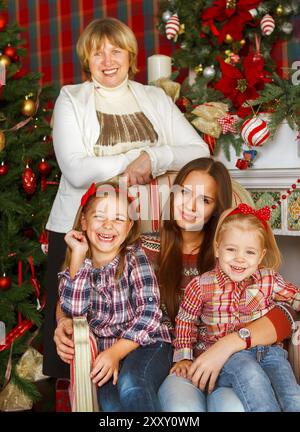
point(198, 69)
point(2, 141)
point(5, 60)
point(28, 107)
point(242, 42)
point(228, 38)
point(279, 10)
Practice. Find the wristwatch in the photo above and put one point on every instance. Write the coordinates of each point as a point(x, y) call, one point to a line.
point(245, 334)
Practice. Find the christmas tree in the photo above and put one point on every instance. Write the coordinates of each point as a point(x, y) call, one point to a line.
point(28, 183)
point(227, 47)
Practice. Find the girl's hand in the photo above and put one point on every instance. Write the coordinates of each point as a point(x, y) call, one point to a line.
point(77, 241)
point(63, 338)
point(181, 368)
point(105, 366)
point(206, 368)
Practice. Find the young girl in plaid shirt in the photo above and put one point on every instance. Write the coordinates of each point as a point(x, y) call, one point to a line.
point(108, 278)
point(241, 288)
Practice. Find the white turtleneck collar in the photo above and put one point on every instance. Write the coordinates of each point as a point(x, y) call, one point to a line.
point(110, 92)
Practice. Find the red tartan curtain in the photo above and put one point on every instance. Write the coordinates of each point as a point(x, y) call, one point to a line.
point(52, 27)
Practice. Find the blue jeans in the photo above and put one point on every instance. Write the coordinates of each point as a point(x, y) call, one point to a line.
point(141, 373)
point(177, 394)
point(263, 379)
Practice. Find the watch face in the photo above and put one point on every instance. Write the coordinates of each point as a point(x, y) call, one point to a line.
point(244, 333)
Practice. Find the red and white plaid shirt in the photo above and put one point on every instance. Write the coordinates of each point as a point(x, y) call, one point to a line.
point(225, 306)
point(128, 308)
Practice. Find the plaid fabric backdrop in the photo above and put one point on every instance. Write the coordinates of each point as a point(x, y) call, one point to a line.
point(52, 27)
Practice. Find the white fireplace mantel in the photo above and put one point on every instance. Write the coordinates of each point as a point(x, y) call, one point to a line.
point(267, 178)
point(274, 171)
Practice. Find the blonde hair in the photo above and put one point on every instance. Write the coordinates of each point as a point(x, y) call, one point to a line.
point(272, 258)
point(116, 32)
point(132, 237)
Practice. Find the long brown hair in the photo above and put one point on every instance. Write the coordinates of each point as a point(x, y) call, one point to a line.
point(132, 237)
point(170, 261)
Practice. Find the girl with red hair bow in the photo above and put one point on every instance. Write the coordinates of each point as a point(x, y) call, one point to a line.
point(243, 286)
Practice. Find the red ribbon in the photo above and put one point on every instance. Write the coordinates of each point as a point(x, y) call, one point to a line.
point(90, 192)
point(262, 214)
point(36, 285)
point(45, 183)
point(212, 27)
point(20, 281)
point(16, 332)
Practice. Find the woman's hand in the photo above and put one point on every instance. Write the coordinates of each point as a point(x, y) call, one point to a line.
point(77, 242)
point(181, 368)
point(63, 339)
point(205, 369)
point(139, 171)
point(105, 366)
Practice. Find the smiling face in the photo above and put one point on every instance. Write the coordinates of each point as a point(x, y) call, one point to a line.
point(195, 201)
point(109, 64)
point(240, 252)
point(107, 225)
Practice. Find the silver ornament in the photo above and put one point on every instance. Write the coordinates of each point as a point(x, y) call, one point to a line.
point(183, 45)
point(262, 9)
point(166, 15)
point(287, 28)
point(209, 72)
point(205, 51)
point(287, 9)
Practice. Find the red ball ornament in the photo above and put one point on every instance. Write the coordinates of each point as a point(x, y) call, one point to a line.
point(3, 169)
point(15, 58)
point(3, 20)
point(5, 282)
point(242, 164)
point(9, 51)
point(29, 181)
point(44, 168)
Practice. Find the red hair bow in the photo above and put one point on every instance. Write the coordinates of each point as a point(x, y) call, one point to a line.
point(262, 214)
point(90, 192)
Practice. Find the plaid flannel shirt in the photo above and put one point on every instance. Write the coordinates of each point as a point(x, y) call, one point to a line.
point(128, 308)
point(225, 306)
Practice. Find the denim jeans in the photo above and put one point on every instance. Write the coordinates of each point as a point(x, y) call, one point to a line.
point(177, 394)
point(141, 373)
point(263, 379)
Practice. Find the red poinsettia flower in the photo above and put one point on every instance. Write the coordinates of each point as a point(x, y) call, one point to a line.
point(240, 86)
point(234, 13)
